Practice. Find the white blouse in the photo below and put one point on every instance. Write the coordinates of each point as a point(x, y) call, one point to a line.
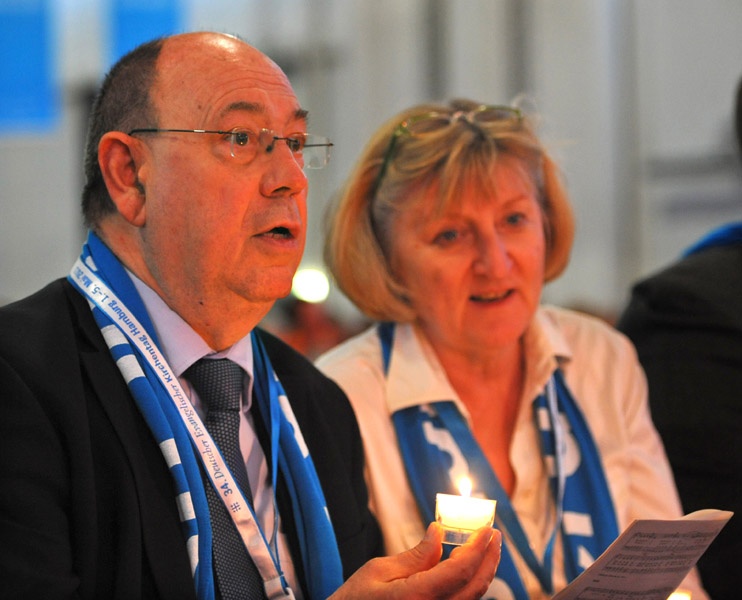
point(601, 370)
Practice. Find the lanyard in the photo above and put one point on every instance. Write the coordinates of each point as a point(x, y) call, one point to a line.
point(266, 558)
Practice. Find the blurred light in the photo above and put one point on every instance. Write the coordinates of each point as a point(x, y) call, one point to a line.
point(310, 285)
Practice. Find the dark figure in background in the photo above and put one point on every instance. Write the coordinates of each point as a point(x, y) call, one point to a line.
point(686, 323)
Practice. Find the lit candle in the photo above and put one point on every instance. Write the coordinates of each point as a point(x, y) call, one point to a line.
point(460, 516)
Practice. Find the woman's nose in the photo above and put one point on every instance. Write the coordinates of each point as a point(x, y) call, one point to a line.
point(494, 258)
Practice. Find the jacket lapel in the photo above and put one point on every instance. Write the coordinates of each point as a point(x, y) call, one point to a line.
point(161, 535)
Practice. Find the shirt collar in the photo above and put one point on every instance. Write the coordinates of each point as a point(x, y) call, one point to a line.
point(545, 348)
point(416, 376)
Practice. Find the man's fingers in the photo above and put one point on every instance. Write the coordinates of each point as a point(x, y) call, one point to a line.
point(481, 579)
point(418, 574)
point(422, 557)
point(466, 574)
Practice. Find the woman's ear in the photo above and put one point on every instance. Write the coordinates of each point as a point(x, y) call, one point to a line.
point(119, 157)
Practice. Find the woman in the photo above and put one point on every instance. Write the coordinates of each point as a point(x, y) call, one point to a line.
point(445, 233)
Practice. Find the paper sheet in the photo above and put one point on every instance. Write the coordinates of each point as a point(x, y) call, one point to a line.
point(649, 559)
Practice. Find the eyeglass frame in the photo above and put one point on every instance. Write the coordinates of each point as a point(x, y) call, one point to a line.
point(403, 128)
point(268, 147)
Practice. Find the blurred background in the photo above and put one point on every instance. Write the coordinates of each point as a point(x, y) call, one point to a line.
point(635, 99)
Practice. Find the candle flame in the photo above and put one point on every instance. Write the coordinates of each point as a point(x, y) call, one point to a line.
point(465, 486)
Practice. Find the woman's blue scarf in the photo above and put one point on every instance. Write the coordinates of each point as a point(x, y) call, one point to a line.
point(581, 497)
point(320, 555)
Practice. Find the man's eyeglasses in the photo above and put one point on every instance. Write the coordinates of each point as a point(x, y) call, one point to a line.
point(312, 150)
point(419, 125)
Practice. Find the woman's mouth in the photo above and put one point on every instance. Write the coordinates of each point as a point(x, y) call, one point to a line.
point(485, 298)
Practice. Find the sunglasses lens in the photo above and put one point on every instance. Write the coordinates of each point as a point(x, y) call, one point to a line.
point(428, 125)
point(491, 114)
point(434, 121)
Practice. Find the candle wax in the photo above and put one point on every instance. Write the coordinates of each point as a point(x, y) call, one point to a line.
point(462, 515)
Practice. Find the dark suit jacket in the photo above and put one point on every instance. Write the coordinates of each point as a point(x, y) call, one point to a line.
point(87, 506)
point(686, 323)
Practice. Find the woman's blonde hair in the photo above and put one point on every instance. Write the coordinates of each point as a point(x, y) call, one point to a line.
point(390, 173)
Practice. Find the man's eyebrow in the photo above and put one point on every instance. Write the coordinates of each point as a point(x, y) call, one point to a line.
point(300, 114)
point(252, 107)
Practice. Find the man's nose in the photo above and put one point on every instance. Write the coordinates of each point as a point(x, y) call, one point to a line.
point(284, 174)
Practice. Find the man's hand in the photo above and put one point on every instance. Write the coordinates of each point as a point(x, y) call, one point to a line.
point(418, 572)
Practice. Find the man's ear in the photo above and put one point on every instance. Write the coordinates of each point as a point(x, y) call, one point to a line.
point(120, 157)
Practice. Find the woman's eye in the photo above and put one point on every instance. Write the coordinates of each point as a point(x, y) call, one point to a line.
point(446, 237)
point(515, 219)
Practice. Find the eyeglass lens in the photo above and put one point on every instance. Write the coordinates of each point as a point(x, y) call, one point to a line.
point(313, 150)
point(494, 113)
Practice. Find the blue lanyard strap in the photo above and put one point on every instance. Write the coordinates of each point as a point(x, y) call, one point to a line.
point(266, 393)
point(170, 415)
point(319, 549)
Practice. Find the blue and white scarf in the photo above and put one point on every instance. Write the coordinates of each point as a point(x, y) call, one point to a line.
point(725, 235)
point(320, 555)
point(435, 437)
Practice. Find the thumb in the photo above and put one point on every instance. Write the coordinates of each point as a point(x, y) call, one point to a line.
point(424, 556)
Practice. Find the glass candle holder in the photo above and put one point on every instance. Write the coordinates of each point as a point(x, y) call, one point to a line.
point(460, 516)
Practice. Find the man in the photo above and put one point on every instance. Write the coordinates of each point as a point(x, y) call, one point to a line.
point(686, 324)
point(112, 486)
